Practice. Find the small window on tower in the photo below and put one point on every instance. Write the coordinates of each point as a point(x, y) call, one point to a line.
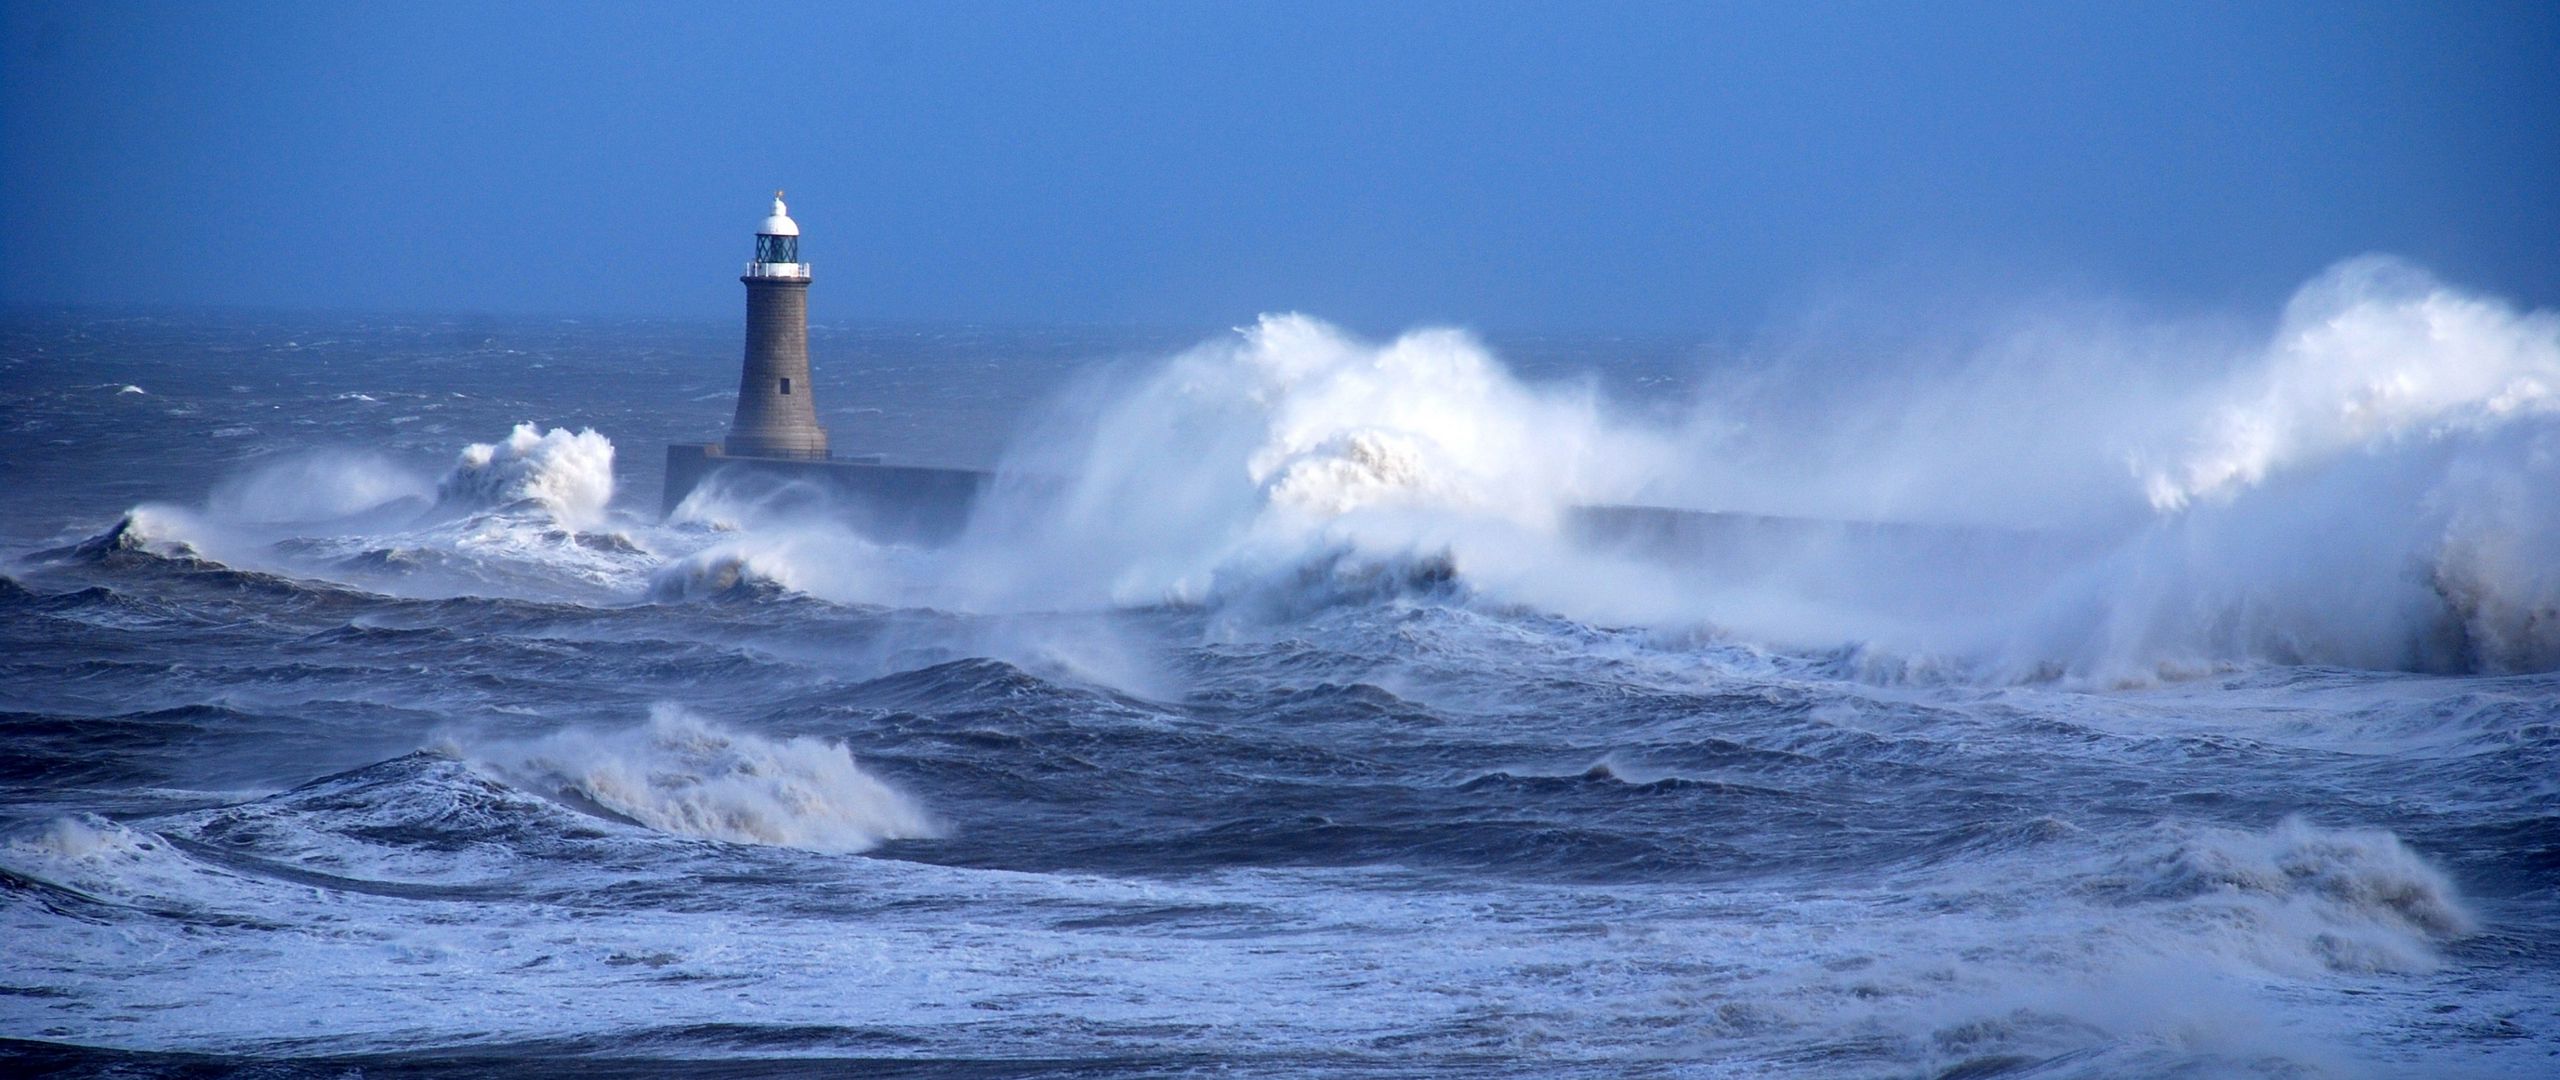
point(786, 388)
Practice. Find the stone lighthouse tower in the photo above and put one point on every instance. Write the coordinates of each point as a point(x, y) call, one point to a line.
point(777, 417)
point(775, 437)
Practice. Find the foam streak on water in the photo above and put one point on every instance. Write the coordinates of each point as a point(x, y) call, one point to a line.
point(1277, 714)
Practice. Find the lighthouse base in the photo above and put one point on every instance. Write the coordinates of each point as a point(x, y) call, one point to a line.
point(899, 504)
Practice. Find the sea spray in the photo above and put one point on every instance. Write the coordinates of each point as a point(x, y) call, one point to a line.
point(2367, 485)
point(1355, 781)
point(760, 535)
point(527, 516)
point(683, 774)
point(2348, 899)
point(2372, 352)
point(317, 487)
point(149, 529)
point(2497, 562)
point(2378, 487)
point(1293, 437)
point(569, 475)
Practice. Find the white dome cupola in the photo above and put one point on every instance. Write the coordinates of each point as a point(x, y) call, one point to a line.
point(780, 223)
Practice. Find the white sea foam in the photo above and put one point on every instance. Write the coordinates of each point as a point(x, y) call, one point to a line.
point(2373, 351)
point(2379, 486)
point(2114, 949)
point(525, 516)
point(80, 837)
point(683, 774)
point(788, 536)
point(2347, 899)
point(724, 570)
point(154, 529)
point(2496, 563)
point(2373, 484)
point(569, 475)
point(1291, 439)
point(2433, 555)
point(109, 860)
point(1429, 420)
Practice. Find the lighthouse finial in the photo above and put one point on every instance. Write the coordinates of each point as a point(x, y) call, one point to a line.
point(779, 223)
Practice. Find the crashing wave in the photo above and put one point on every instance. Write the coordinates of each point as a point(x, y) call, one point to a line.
point(567, 475)
point(2380, 489)
point(2349, 899)
point(820, 559)
point(2372, 351)
point(682, 774)
point(721, 573)
point(100, 860)
point(2496, 563)
point(1285, 441)
point(146, 530)
point(2376, 484)
point(82, 836)
point(1428, 420)
point(2439, 556)
point(1334, 577)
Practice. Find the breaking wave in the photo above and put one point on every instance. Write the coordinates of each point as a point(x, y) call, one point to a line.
point(2435, 556)
point(2349, 899)
point(682, 774)
point(758, 537)
point(148, 529)
point(2376, 484)
point(570, 476)
point(2371, 353)
point(2378, 487)
point(1289, 441)
point(81, 837)
point(2373, 483)
point(526, 516)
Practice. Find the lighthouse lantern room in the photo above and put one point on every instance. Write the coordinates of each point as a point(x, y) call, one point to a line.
point(778, 245)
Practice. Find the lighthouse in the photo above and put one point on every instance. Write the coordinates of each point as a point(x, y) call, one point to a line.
point(774, 441)
point(777, 414)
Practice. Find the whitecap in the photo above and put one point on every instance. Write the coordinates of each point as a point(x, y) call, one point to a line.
point(683, 774)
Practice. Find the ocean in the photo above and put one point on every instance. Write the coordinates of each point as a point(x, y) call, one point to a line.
point(2100, 715)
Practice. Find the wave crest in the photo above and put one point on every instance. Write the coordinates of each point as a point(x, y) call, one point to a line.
point(683, 774)
point(2352, 899)
point(2373, 350)
point(569, 475)
point(148, 529)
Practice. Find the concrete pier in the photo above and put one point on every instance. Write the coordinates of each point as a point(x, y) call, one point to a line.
point(898, 504)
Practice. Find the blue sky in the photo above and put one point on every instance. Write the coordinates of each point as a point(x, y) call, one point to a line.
point(1690, 167)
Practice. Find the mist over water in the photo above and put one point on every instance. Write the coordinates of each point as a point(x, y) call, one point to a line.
point(2372, 486)
point(2070, 694)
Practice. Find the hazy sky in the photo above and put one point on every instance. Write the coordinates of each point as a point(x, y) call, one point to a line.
point(1571, 165)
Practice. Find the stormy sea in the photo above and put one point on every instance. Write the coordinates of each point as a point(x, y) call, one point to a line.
point(2067, 692)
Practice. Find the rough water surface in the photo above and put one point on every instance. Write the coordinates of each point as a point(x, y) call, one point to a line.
point(351, 726)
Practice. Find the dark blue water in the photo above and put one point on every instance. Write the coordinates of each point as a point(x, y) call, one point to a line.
point(330, 745)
